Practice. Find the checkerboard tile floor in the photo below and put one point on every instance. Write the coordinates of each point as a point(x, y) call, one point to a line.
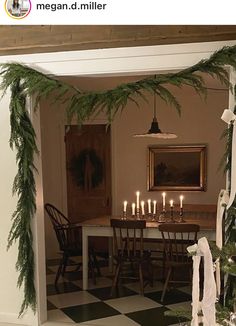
point(70, 304)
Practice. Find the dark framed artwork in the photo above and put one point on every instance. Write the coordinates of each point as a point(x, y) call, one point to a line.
point(177, 168)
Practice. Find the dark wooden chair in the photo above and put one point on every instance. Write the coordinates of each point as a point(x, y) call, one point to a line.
point(69, 240)
point(176, 239)
point(128, 250)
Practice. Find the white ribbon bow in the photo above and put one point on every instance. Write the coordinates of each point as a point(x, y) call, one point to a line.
point(223, 200)
point(207, 305)
point(229, 117)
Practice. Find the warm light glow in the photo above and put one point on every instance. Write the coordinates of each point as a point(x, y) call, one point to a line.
point(164, 200)
point(149, 206)
point(142, 207)
point(171, 203)
point(133, 208)
point(137, 200)
point(154, 206)
point(125, 205)
point(181, 201)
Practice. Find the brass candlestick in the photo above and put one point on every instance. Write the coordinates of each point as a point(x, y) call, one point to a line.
point(172, 214)
point(124, 215)
point(162, 216)
point(137, 213)
point(181, 214)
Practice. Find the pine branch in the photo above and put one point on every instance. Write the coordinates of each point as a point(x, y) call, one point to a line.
point(23, 139)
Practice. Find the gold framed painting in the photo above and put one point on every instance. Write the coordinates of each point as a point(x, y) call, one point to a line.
point(177, 168)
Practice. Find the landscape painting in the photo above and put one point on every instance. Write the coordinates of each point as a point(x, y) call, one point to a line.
point(177, 168)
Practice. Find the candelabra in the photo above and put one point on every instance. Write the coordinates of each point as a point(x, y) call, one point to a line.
point(153, 217)
point(181, 214)
point(124, 217)
point(172, 215)
point(137, 213)
point(162, 216)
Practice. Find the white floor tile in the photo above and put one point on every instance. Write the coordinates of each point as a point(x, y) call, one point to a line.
point(181, 306)
point(7, 324)
point(181, 324)
point(101, 283)
point(114, 321)
point(157, 286)
point(57, 323)
point(58, 316)
point(72, 299)
point(132, 303)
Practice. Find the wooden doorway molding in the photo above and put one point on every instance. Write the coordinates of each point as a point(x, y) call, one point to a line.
point(101, 62)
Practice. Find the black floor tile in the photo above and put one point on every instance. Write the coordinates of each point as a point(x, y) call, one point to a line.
point(90, 311)
point(50, 306)
point(73, 276)
point(153, 317)
point(49, 271)
point(171, 297)
point(103, 263)
point(53, 262)
point(64, 287)
point(105, 293)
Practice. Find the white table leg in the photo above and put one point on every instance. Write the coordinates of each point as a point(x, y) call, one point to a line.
point(85, 258)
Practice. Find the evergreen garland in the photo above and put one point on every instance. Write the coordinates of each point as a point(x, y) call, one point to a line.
point(25, 81)
point(23, 138)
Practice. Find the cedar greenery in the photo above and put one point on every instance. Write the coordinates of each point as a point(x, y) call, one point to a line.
point(25, 82)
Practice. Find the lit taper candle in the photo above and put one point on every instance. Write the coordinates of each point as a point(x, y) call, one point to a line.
point(181, 201)
point(133, 208)
point(164, 201)
point(171, 203)
point(154, 207)
point(125, 206)
point(149, 206)
point(137, 198)
point(142, 207)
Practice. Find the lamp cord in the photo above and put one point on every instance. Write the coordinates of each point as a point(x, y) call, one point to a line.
point(155, 109)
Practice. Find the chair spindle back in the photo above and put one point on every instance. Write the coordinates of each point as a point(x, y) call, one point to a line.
point(60, 224)
point(176, 239)
point(128, 237)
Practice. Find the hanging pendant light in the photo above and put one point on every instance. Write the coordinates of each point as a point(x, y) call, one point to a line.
point(155, 131)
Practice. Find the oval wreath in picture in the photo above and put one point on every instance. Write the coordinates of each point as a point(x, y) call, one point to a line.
point(87, 169)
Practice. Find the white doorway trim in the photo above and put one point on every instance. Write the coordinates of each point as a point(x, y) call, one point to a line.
point(101, 62)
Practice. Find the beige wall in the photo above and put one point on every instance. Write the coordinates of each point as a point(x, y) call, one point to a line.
point(199, 124)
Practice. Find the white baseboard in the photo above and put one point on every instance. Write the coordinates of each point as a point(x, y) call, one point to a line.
point(12, 318)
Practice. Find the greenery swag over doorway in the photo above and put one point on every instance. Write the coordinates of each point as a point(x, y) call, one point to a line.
point(25, 82)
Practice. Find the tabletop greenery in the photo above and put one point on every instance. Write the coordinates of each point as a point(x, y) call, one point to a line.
point(25, 82)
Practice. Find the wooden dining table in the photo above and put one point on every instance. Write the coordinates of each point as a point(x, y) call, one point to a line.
point(100, 226)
